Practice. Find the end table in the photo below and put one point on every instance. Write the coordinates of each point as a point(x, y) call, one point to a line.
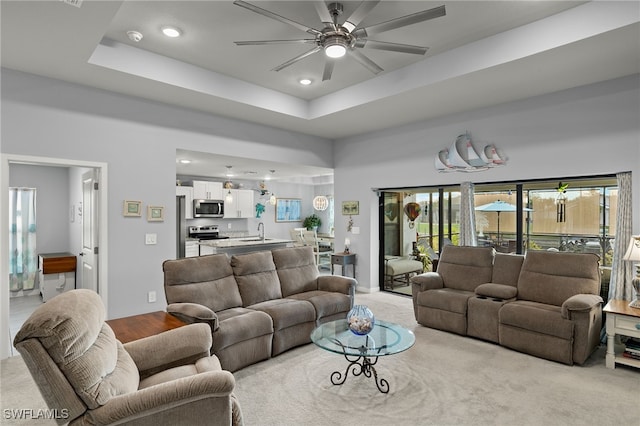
point(344, 259)
point(624, 320)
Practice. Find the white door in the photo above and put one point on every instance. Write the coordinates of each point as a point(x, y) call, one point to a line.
point(90, 226)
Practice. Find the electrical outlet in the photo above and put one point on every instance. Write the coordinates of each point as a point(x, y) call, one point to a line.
point(150, 239)
point(229, 225)
point(151, 296)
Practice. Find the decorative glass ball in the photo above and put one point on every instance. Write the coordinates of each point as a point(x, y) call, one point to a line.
point(360, 320)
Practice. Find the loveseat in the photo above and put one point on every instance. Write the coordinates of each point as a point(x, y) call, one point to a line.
point(258, 304)
point(546, 304)
point(86, 376)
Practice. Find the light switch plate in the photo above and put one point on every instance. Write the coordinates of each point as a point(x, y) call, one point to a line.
point(151, 297)
point(355, 230)
point(150, 239)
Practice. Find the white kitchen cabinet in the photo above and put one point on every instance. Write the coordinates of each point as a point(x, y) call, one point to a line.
point(204, 190)
point(206, 250)
point(191, 248)
point(187, 191)
point(241, 206)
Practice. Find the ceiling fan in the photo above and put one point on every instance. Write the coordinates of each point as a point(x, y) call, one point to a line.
point(337, 39)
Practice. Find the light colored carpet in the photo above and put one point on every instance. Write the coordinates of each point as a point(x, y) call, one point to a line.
point(444, 379)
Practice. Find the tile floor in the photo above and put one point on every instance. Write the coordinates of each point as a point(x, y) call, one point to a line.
point(19, 310)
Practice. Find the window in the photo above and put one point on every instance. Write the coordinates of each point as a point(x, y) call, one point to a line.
point(512, 217)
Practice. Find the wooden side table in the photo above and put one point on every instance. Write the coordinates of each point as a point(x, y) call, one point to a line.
point(136, 327)
point(625, 321)
point(344, 259)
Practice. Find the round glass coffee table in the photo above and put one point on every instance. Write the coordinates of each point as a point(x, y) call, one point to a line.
point(362, 352)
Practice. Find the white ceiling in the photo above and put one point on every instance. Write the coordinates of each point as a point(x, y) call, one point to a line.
point(481, 53)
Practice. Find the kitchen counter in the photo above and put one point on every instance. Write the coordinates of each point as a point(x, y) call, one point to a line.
point(241, 245)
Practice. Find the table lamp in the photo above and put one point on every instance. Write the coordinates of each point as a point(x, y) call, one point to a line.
point(633, 255)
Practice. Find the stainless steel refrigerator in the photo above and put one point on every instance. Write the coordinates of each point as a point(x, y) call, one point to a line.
point(181, 226)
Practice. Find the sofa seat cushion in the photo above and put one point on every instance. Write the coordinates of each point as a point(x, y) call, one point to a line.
point(536, 317)
point(240, 324)
point(286, 313)
point(445, 299)
point(201, 366)
point(326, 303)
point(496, 291)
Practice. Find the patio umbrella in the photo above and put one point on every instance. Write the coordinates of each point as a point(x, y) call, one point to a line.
point(499, 207)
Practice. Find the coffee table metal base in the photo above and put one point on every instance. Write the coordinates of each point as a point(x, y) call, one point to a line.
point(360, 365)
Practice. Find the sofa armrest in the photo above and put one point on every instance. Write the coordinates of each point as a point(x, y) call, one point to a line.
point(173, 396)
point(580, 303)
point(338, 283)
point(180, 346)
point(426, 281)
point(194, 312)
point(496, 291)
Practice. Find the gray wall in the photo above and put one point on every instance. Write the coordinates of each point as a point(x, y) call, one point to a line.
point(138, 140)
point(584, 131)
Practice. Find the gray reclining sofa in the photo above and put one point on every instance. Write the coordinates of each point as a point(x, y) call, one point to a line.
point(259, 304)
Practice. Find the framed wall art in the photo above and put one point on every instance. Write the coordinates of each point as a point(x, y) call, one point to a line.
point(132, 208)
point(155, 213)
point(288, 210)
point(350, 208)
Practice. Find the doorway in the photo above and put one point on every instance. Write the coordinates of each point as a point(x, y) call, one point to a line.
point(100, 217)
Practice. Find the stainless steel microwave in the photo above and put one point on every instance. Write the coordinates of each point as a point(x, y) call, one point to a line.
point(208, 208)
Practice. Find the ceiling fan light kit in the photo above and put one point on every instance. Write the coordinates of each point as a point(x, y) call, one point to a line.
point(338, 40)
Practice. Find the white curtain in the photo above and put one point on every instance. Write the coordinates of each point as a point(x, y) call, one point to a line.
point(23, 264)
point(621, 270)
point(467, 215)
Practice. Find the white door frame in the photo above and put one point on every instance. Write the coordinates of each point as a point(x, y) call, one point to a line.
point(5, 161)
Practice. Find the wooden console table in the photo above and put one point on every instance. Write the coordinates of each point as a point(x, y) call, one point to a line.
point(136, 327)
point(623, 320)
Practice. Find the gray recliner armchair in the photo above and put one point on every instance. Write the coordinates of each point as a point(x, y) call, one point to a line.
point(87, 376)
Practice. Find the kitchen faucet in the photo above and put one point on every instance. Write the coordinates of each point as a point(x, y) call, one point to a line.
point(261, 225)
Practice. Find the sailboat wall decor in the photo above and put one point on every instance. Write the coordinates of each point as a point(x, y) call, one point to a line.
point(463, 157)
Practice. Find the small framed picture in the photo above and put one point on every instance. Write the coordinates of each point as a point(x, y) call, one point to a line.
point(132, 208)
point(350, 208)
point(155, 213)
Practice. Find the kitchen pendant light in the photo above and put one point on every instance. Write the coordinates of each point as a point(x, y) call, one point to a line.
point(229, 197)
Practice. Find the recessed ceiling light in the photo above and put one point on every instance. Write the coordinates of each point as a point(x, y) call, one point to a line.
point(171, 31)
point(305, 81)
point(185, 161)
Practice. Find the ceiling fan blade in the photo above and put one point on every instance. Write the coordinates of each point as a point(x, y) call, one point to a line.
point(403, 21)
point(393, 47)
point(359, 14)
point(323, 13)
point(366, 62)
point(328, 69)
point(275, 16)
point(297, 58)
point(262, 42)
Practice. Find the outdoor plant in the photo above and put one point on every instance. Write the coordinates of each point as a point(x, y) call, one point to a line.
point(312, 222)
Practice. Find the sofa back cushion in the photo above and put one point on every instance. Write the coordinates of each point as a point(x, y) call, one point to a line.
point(256, 276)
point(551, 277)
point(206, 280)
point(465, 268)
point(71, 329)
point(506, 269)
point(296, 269)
